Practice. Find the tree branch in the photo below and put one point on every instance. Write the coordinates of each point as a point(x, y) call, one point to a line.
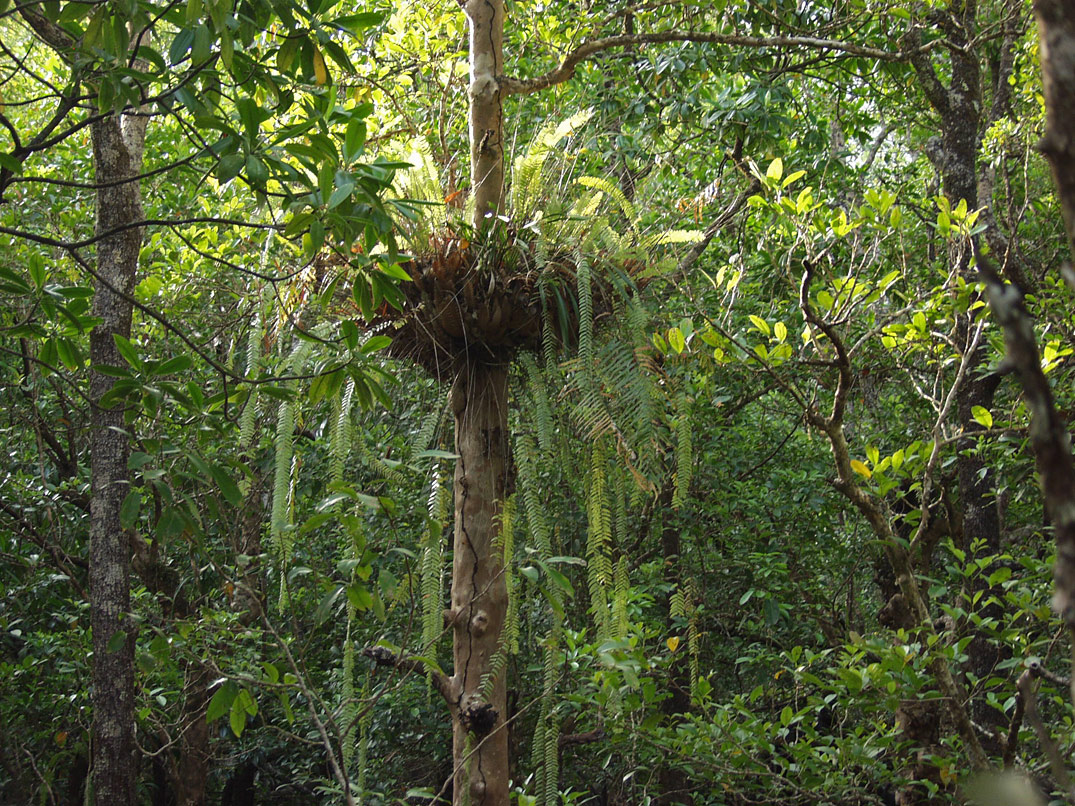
point(588, 50)
point(382, 656)
point(1048, 433)
point(719, 223)
point(932, 87)
point(1056, 38)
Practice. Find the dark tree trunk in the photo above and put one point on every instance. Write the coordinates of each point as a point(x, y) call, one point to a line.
point(479, 593)
point(193, 777)
point(117, 153)
point(672, 780)
point(1056, 38)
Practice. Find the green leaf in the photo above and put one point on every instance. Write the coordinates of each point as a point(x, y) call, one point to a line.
point(676, 340)
point(771, 609)
point(345, 185)
point(760, 324)
point(359, 596)
point(560, 581)
point(775, 170)
point(375, 343)
point(129, 509)
point(354, 139)
point(982, 416)
point(436, 454)
point(221, 701)
point(355, 23)
point(179, 363)
point(128, 351)
point(242, 706)
point(1000, 575)
point(69, 353)
point(792, 177)
point(228, 488)
point(325, 606)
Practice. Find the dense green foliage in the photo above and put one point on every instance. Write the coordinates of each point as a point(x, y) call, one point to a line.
point(704, 605)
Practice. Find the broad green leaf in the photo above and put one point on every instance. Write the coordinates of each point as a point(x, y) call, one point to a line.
point(221, 701)
point(775, 170)
point(792, 177)
point(676, 340)
point(129, 509)
point(982, 416)
point(128, 351)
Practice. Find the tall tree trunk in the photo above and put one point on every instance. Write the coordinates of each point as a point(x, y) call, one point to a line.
point(480, 404)
point(1056, 43)
point(675, 788)
point(955, 153)
point(486, 107)
point(117, 154)
point(193, 769)
point(479, 593)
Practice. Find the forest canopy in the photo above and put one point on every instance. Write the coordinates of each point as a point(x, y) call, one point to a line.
point(488, 403)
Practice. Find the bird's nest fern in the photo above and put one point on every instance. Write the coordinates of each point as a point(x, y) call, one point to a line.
point(469, 298)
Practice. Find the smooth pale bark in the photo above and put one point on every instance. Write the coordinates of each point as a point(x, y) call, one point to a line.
point(479, 594)
point(117, 155)
point(486, 19)
point(1056, 38)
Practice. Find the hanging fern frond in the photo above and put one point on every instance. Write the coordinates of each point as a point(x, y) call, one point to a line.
point(385, 469)
point(526, 454)
point(285, 443)
point(509, 635)
point(552, 763)
point(599, 541)
point(547, 730)
point(363, 743)
point(684, 452)
point(248, 418)
point(694, 633)
point(431, 425)
point(283, 460)
point(340, 437)
point(621, 589)
point(349, 711)
point(507, 546)
point(431, 569)
point(537, 387)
